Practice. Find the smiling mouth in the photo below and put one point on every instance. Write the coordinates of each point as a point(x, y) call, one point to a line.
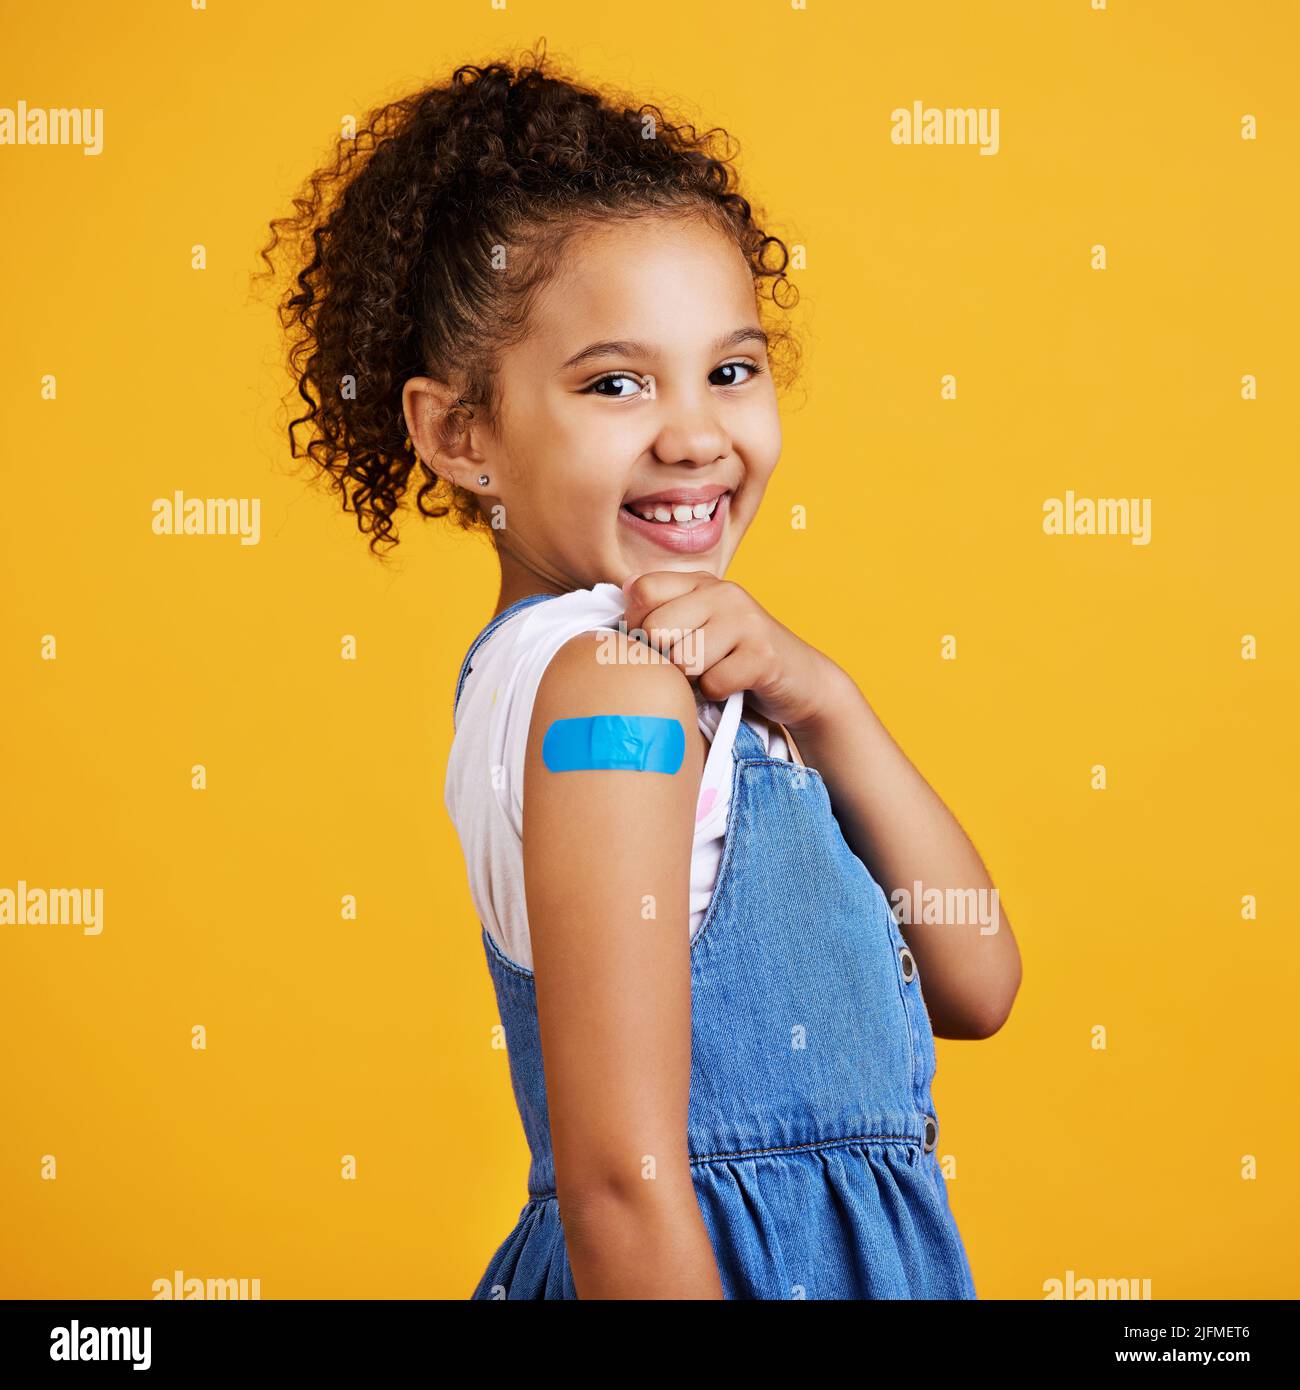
point(687, 521)
point(687, 515)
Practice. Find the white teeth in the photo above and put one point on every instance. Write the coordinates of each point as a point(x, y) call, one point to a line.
point(680, 513)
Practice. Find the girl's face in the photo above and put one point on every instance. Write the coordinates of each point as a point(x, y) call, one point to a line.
point(642, 391)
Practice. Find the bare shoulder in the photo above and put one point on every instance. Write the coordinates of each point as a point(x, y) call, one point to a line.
point(599, 842)
point(594, 668)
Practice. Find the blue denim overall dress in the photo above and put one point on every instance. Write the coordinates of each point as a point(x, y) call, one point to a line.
point(811, 1128)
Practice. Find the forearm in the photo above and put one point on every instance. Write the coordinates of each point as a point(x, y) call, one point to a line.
point(899, 827)
point(650, 1244)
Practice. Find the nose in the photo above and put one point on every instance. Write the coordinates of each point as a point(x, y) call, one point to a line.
point(691, 434)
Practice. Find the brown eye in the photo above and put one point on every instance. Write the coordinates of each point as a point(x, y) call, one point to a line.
point(629, 377)
point(752, 367)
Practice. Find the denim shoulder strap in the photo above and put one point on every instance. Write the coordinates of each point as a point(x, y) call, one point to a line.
point(465, 667)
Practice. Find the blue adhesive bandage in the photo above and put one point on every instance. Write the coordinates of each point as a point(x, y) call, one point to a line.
point(616, 743)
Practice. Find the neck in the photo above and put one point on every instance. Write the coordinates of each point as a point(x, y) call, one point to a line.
point(519, 581)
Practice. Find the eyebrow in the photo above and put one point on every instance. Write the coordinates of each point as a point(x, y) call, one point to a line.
point(623, 348)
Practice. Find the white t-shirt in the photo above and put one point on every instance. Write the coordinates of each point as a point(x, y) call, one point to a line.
point(485, 769)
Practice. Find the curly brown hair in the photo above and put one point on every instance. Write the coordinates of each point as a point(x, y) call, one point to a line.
point(397, 247)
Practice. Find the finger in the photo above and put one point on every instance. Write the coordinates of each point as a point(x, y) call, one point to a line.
point(725, 677)
point(647, 591)
point(677, 623)
point(692, 651)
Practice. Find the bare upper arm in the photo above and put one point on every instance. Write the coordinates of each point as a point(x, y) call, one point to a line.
point(607, 877)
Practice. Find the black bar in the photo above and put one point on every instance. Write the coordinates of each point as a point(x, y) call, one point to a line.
point(428, 1337)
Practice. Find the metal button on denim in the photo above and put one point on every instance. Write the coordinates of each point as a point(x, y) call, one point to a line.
point(909, 965)
point(931, 1133)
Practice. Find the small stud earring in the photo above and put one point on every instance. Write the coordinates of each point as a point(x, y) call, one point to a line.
point(482, 480)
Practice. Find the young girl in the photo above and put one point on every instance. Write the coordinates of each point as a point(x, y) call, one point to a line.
point(553, 304)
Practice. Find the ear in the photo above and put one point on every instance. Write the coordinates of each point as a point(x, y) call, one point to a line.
point(450, 452)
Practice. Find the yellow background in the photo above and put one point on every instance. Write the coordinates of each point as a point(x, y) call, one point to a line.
point(373, 1037)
